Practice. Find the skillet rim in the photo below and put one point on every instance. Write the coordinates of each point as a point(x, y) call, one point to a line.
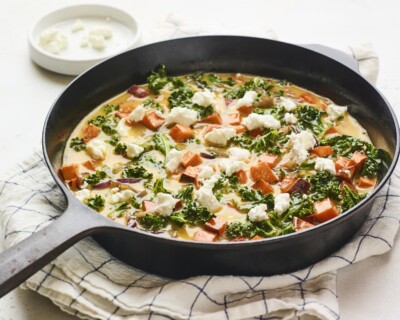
point(246, 243)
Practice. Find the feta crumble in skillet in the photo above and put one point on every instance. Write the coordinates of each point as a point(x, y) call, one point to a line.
point(221, 157)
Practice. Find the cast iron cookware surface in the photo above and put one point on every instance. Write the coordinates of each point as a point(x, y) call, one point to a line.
point(326, 72)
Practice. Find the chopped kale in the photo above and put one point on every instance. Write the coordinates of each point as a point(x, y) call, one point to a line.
point(194, 214)
point(96, 203)
point(161, 142)
point(181, 97)
point(203, 112)
point(153, 222)
point(270, 142)
point(157, 79)
point(299, 207)
point(256, 84)
point(151, 103)
point(186, 193)
point(137, 172)
point(77, 144)
point(108, 108)
point(324, 185)
point(120, 148)
point(107, 124)
point(114, 141)
point(215, 79)
point(122, 206)
point(310, 118)
point(350, 198)
point(248, 229)
point(95, 178)
point(159, 187)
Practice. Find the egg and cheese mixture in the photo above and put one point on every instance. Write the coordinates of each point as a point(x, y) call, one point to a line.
point(220, 157)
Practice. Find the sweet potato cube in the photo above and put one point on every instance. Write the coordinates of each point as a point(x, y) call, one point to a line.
point(148, 206)
point(204, 236)
point(257, 237)
point(262, 171)
point(152, 121)
point(323, 151)
point(270, 159)
point(325, 210)
point(138, 92)
point(345, 168)
point(240, 129)
point(90, 132)
point(127, 107)
point(234, 118)
point(189, 175)
point(191, 159)
point(214, 118)
point(70, 171)
point(294, 185)
point(307, 97)
point(263, 186)
point(242, 176)
point(255, 132)
point(90, 164)
point(246, 110)
point(300, 224)
point(180, 132)
point(358, 159)
point(216, 225)
point(365, 183)
point(74, 184)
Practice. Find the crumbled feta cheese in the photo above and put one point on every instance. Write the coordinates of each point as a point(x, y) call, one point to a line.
point(324, 164)
point(247, 100)
point(287, 103)
point(206, 172)
point(53, 40)
point(183, 116)
point(301, 142)
point(98, 42)
point(137, 114)
point(122, 130)
point(165, 204)
point(204, 98)
point(239, 154)
point(133, 150)
point(206, 198)
point(83, 194)
point(258, 213)
point(220, 136)
point(84, 42)
point(230, 167)
point(290, 118)
point(282, 202)
point(254, 121)
point(96, 149)
point(335, 112)
point(122, 196)
point(77, 26)
point(173, 160)
point(105, 32)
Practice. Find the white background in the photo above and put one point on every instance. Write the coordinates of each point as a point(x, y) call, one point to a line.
point(367, 290)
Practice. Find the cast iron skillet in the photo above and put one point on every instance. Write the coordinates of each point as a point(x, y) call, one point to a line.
point(301, 65)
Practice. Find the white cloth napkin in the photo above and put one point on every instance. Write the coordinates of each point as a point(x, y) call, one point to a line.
point(87, 282)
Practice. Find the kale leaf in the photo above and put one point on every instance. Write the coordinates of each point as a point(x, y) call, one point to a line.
point(153, 222)
point(270, 142)
point(181, 97)
point(324, 185)
point(157, 79)
point(159, 187)
point(310, 118)
point(350, 198)
point(96, 203)
point(95, 178)
point(77, 144)
point(186, 193)
point(162, 143)
point(256, 84)
point(137, 172)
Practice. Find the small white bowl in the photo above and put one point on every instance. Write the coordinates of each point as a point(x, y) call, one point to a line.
point(76, 59)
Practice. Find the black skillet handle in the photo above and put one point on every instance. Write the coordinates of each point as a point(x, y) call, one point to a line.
point(335, 54)
point(27, 257)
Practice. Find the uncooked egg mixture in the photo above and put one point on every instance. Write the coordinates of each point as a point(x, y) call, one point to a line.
point(220, 157)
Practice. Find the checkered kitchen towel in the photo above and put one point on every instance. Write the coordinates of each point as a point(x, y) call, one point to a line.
point(87, 282)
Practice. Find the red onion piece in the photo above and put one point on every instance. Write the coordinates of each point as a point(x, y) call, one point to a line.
point(129, 180)
point(102, 185)
point(207, 155)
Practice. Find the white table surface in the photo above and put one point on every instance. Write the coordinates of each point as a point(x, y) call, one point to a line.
point(367, 290)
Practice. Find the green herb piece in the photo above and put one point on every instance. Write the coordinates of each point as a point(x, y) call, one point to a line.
point(106, 124)
point(181, 97)
point(122, 206)
point(157, 79)
point(215, 79)
point(77, 144)
point(186, 193)
point(95, 178)
point(198, 78)
point(159, 187)
point(350, 198)
point(162, 143)
point(151, 103)
point(96, 203)
point(108, 108)
point(279, 93)
point(137, 172)
point(324, 185)
point(113, 141)
point(135, 202)
point(256, 84)
point(310, 118)
point(203, 112)
point(120, 148)
point(299, 207)
point(153, 222)
point(98, 121)
point(109, 128)
point(265, 229)
point(269, 142)
point(195, 214)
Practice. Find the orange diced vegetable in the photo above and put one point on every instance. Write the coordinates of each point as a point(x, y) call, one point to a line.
point(257, 237)
point(300, 224)
point(152, 121)
point(191, 159)
point(216, 225)
point(70, 171)
point(190, 175)
point(307, 97)
point(365, 183)
point(262, 171)
point(148, 206)
point(345, 168)
point(270, 159)
point(255, 132)
point(240, 129)
point(246, 110)
point(127, 107)
point(325, 210)
point(358, 159)
point(180, 133)
point(331, 130)
point(90, 132)
point(90, 164)
point(294, 185)
point(74, 184)
point(234, 118)
point(214, 118)
point(205, 236)
point(263, 186)
point(323, 151)
point(242, 176)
